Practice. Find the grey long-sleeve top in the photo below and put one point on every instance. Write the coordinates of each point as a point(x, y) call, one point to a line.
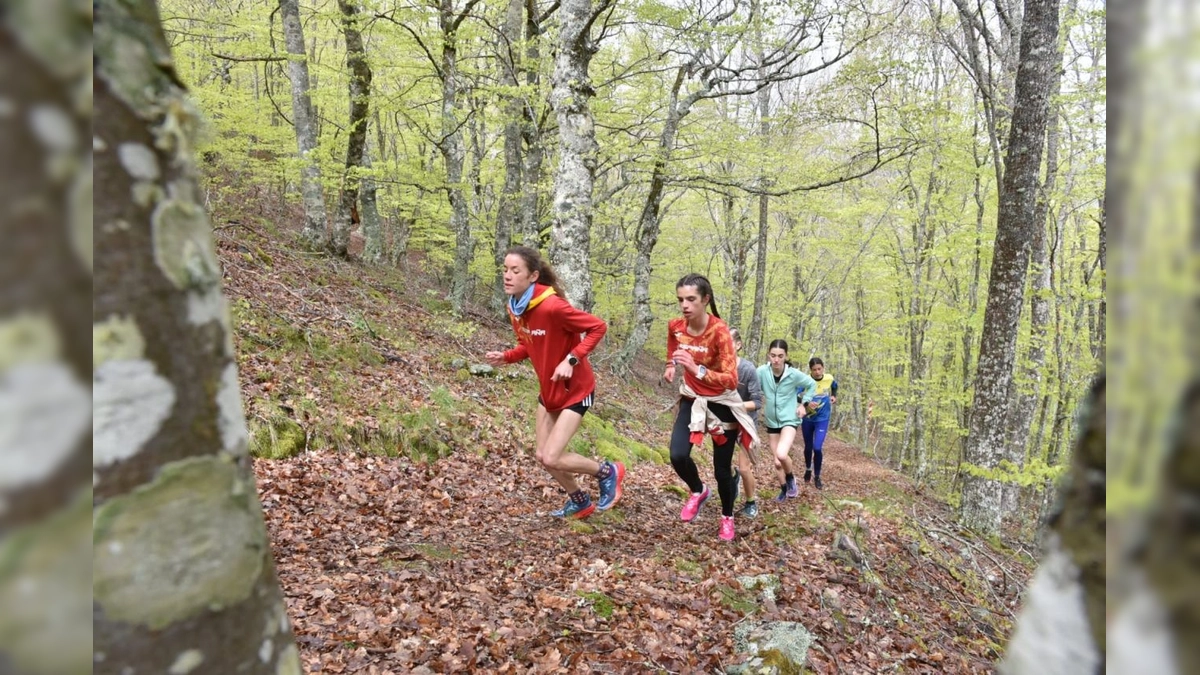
point(748, 385)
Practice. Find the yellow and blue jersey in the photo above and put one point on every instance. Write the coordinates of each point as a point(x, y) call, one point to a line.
point(826, 387)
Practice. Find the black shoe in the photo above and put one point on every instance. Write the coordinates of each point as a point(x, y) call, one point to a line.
point(807, 475)
point(817, 482)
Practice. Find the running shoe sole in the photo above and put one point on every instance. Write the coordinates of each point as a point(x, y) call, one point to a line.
point(584, 512)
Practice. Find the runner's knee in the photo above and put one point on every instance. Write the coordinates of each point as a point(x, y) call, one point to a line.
point(548, 459)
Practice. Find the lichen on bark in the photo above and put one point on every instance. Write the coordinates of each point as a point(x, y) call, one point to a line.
point(211, 557)
point(43, 571)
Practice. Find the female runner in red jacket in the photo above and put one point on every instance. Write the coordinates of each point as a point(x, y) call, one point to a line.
point(557, 338)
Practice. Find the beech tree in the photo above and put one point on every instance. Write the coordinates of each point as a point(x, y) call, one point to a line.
point(981, 498)
point(571, 91)
point(46, 267)
point(182, 571)
point(314, 232)
point(356, 136)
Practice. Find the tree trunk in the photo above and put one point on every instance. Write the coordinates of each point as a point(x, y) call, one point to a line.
point(922, 234)
point(863, 397)
point(1025, 405)
point(754, 345)
point(477, 125)
point(996, 91)
point(738, 245)
point(531, 133)
point(648, 227)
point(1006, 289)
point(531, 181)
point(797, 327)
point(356, 141)
point(968, 337)
point(404, 224)
point(46, 264)
point(1061, 627)
point(1101, 338)
point(314, 233)
point(1063, 399)
point(453, 154)
point(371, 226)
point(571, 91)
point(182, 569)
point(402, 230)
point(508, 212)
point(1170, 563)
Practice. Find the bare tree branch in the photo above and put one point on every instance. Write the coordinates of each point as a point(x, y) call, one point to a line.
point(247, 59)
point(437, 68)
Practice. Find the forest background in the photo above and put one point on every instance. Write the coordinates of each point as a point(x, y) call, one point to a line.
point(833, 167)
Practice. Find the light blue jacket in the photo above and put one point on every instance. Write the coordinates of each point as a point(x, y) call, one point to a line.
point(779, 399)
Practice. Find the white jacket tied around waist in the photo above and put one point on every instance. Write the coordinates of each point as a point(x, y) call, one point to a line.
point(704, 420)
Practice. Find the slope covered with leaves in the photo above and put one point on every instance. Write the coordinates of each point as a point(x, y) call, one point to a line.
point(411, 535)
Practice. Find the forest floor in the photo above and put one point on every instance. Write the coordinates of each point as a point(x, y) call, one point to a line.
point(411, 534)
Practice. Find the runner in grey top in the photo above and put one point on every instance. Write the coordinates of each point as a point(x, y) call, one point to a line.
point(750, 390)
point(748, 385)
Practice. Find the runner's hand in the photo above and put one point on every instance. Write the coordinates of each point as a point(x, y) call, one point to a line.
point(494, 358)
point(669, 373)
point(683, 359)
point(564, 371)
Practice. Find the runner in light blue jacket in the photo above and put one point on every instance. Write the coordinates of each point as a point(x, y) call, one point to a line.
point(783, 410)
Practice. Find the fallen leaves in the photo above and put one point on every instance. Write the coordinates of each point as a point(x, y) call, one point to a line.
point(395, 566)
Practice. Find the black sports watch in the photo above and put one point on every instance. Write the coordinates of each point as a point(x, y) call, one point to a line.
point(573, 360)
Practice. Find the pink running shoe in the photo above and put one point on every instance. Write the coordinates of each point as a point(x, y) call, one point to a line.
point(692, 506)
point(726, 531)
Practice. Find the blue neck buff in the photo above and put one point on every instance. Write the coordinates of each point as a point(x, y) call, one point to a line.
point(518, 306)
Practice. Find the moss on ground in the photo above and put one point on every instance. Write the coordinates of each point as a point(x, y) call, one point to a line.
point(600, 438)
point(790, 526)
point(601, 604)
point(277, 437)
point(737, 599)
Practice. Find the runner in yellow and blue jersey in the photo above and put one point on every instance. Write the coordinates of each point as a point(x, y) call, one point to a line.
point(816, 422)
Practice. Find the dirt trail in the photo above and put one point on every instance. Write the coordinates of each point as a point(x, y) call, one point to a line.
point(391, 565)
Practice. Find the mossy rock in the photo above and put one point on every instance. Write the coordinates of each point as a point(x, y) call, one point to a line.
point(737, 599)
point(767, 584)
point(610, 412)
point(612, 452)
point(278, 438)
point(646, 453)
point(782, 662)
point(777, 646)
